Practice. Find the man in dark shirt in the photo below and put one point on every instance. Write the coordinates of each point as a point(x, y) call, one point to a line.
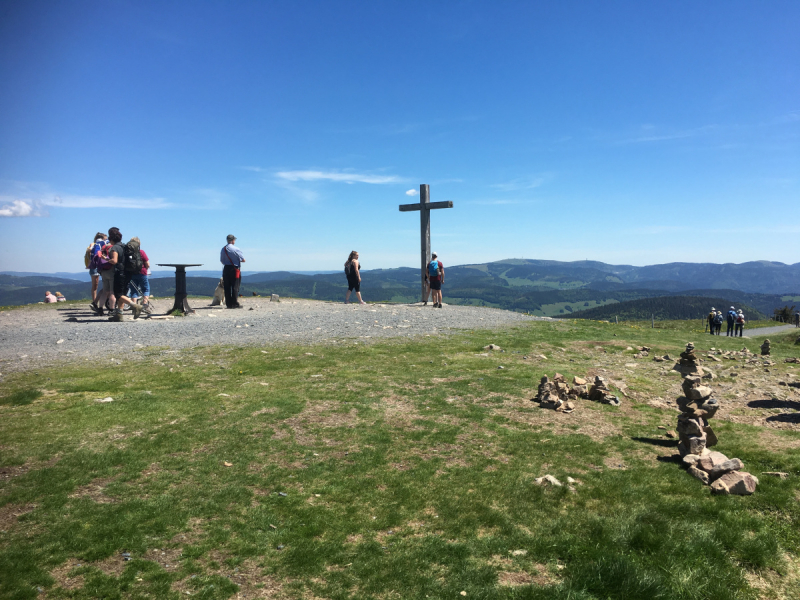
point(231, 258)
point(116, 256)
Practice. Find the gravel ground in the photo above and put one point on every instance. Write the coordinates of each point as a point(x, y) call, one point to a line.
point(45, 334)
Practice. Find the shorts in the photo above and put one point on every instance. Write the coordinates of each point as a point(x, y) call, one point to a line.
point(94, 272)
point(436, 284)
point(354, 284)
point(142, 282)
point(121, 282)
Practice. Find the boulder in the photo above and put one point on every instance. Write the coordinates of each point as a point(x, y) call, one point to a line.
point(689, 426)
point(734, 464)
point(711, 460)
point(690, 460)
point(739, 483)
point(697, 473)
point(579, 381)
point(711, 437)
point(700, 392)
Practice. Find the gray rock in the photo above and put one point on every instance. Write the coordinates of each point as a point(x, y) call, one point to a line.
point(698, 474)
point(700, 392)
point(711, 460)
point(739, 483)
point(734, 464)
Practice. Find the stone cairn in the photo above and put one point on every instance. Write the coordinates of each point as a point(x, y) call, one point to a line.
point(696, 436)
point(765, 348)
point(558, 395)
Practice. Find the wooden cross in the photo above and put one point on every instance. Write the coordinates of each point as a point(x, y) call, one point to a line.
point(424, 207)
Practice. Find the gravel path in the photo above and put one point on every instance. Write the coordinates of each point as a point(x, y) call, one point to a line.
point(44, 334)
point(761, 332)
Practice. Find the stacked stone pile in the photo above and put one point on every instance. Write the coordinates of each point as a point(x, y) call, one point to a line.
point(557, 394)
point(696, 436)
point(599, 392)
point(765, 348)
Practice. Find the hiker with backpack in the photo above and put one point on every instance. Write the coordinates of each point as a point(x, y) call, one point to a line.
point(739, 325)
point(126, 260)
point(105, 298)
point(88, 260)
point(140, 282)
point(231, 258)
point(352, 270)
point(711, 316)
point(436, 279)
point(718, 319)
point(731, 318)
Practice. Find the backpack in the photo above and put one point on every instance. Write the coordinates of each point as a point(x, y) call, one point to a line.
point(433, 268)
point(87, 256)
point(740, 319)
point(348, 266)
point(718, 319)
point(133, 258)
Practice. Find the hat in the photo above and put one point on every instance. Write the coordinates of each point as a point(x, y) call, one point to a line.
point(740, 311)
point(231, 237)
point(434, 255)
point(712, 308)
point(732, 308)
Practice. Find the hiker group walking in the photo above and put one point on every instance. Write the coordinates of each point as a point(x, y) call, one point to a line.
point(124, 269)
point(734, 318)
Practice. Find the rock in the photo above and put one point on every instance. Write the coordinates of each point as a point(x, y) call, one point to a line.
point(739, 483)
point(104, 400)
point(792, 360)
point(711, 460)
point(697, 473)
point(579, 381)
point(274, 298)
point(709, 375)
point(765, 348)
point(696, 444)
point(690, 460)
point(710, 407)
point(671, 434)
point(779, 474)
point(689, 426)
point(711, 437)
point(700, 392)
point(491, 347)
point(60, 342)
point(581, 390)
point(734, 464)
point(552, 480)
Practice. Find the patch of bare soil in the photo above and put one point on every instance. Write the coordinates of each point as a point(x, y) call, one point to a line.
point(399, 412)
point(11, 471)
point(95, 491)
point(112, 566)
point(536, 575)
point(10, 513)
point(62, 576)
point(248, 575)
point(318, 415)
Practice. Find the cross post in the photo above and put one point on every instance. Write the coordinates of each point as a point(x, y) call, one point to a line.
point(424, 207)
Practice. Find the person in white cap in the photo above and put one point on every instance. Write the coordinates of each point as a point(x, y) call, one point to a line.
point(436, 279)
point(731, 321)
point(711, 316)
point(739, 327)
point(231, 258)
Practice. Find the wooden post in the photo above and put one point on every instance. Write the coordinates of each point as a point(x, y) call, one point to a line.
point(424, 234)
point(654, 322)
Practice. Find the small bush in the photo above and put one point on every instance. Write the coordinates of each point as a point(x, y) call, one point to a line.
point(21, 397)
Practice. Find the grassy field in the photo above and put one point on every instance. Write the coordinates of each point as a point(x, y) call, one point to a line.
point(396, 469)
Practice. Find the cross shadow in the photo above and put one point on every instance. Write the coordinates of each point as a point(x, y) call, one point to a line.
point(774, 403)
point(784, 418)
point(657, 442)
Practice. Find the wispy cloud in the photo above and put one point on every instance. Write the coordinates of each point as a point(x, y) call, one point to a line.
point(253, 169)
point(521, 183)
point(649, 134)
point(411, 192)
point(69, 201)
point(337, 176)
point(21, 208)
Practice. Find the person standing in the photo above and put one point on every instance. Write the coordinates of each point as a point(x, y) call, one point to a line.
point(739, 325)
point(105, 298)
point(352, 269)
point(731, 318)
point(231, 258)
point(116, 257)
point(436, 278)
point(718, 319)
point(711, 316)
point(141, 279)
point(95, 247)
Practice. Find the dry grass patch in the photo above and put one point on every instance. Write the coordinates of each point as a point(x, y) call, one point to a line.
point(62, 576)
point(10, 514)
point(95, 491)
point(536, 575)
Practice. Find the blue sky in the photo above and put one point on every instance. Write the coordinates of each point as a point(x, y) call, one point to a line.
point(626, 132)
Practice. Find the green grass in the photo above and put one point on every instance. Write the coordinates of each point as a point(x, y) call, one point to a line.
point(397, 469)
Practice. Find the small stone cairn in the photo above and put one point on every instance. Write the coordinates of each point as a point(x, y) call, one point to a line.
point(765, 348)
point(558, 395)
point(696, 436)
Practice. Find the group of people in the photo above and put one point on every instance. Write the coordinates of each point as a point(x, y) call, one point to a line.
point(434, 278)
point(49, 298)
point(734, 318)
point(124, 269)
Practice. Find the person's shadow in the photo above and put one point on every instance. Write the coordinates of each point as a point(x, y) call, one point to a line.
point(788, 417)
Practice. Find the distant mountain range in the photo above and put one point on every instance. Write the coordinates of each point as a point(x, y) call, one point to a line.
point(536, 286)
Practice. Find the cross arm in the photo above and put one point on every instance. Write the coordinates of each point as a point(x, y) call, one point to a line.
point(428, 205)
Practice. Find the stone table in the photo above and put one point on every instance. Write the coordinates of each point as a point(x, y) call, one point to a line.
point(181, 303)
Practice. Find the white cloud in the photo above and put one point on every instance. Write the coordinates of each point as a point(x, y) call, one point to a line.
point(106, 202)
point(520, 183)
point(253, 169)
point(412, 193)
point(337, 176)
point(21, 208)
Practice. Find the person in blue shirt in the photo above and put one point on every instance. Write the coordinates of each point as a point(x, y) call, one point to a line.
point(731, 321)
point(231, 258)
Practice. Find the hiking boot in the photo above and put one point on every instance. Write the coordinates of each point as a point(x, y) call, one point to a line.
point(137, 310)
point(147, 308)
point(115, 315)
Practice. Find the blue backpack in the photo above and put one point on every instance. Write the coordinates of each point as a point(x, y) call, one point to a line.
point(433, 268)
